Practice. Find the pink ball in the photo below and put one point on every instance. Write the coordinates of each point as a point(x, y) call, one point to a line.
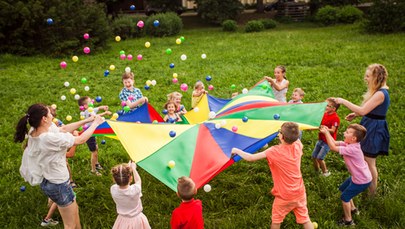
point(86, 50)
point(175, 80)
point(123, 103)
point(234, 128)
point(131, 97)
point(183, 87)
point(129, 57)
point(123, 56)
point(86, 36)
point(81, 108)
point(210, 87)
point(63, 64)
point(140, 24)
point(85, 126)
point(139, 57)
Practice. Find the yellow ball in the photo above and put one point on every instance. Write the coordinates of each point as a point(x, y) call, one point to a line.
point(115, 116)
point(72, 91)
point(315, 225)
point(90, 109)
point(175, 75)
point(171, 164)
point(117, 38)
point(54, 106)
point(178, 41)
point(75, 58)
point(55, 120)
point(148, 82)
point(112, 67)
point(82, 117)
point(69, 118)
point(147, 44)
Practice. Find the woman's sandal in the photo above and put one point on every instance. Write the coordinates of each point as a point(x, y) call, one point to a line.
point(73, 184)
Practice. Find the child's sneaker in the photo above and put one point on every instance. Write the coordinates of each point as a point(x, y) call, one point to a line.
point(98, 167)
point(355, 212)
point(345, 223)
point(97, 173)
point(49, 222)
point(326, 174)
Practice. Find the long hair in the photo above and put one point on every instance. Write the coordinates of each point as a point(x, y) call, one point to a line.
point(283, 70)
point(33, 117)
point(379, 75)
point(122, 174)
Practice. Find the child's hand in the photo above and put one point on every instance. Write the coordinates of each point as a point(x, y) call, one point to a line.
point(235, 151)
point(106, 108)
point(132, 165)
point(98, 119)
point(145, 99)
point(108, 112)
point(350, 116)
point(323, 129)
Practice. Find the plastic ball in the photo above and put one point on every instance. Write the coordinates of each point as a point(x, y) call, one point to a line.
point(148, 82)
point(140, 24)
point(106, 73)
point(164, 111)
point(72, 91)
point(68, 118)
point(139, 57)
point(171, 65)
point(86, 88)
point(156, 23)
point(82, 109)
point(85, 127)
point(122, 52)
point(168, 51)
point(153, 82)
point(175, 75)
point(86, 50)
point(75, 58)
point(172, 133)
point(77, 97)
point(123, 56)
point(66, 84)
point(91, 104)
point(49, 21)
point(63, 64)
point(130, 57)
point(126, 108)
point(175, 80)
point(86, 36)
point(183, 57)
point(264, 86)
point(147, 44)
point(54, 106)
point(212, 115)
point(233, 86)
point(203, 56)
point(245, 91)
point(83, 80)
point(207, 188)
point(196, 109)
point(112, 67)
point(210, 87)
point(127, 69)
point(245, 119)
point(63, 97)
point(276, 116)
point(117, 38)
point(146, 87)
point(155, 121)
point(208, 78)
point(90, 109)
point(183, 87)
point(217, 125)
point(234, 128)
point(132, 7)
point(115, 116)
point(178, 41)
point(22, 188)
point(131, 97)
point(182, 39)
point(171, 164)
point(315, 225)
point(123, 103)
point(103, 142)
point(223, 122)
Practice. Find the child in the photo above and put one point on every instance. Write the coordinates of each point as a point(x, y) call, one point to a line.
point(279, 84)
point(176, 98)
point(129, 94)
point(284, 162)
point(360, 178)
point(332, 121)
point(297, 95)
point(86, 102)
point(189, 213)
point(198, 93)
point(171, 116)
point(127, 197)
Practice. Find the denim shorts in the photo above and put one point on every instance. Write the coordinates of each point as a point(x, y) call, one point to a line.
point(92, 144)
point(61, 194)
point(350, 189)
point(320, 151)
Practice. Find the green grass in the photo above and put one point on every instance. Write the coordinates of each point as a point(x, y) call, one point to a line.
point(324, 62)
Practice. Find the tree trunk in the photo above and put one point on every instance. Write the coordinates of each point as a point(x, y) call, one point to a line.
point(260, 6)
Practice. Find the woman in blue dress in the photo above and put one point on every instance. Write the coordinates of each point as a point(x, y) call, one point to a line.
point(374, 110)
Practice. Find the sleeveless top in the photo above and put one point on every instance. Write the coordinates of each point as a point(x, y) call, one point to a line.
point(280, 95)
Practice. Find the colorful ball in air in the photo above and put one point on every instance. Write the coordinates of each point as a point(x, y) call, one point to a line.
point(183, 57)
point(49, 21)
point(207, 188)
point(139, 57)
point(172, 133)
point(156, 23)
point(208, 78)
point(72, 91)
point(140, 24)
point(147, 44)
point(178, 41)
point(218, 125)
point(106, 73)
point(276, 116)
point(75, 58)
point(127, 109)
point(203, 56)
point(127, 69)
point(123, 56)
point(98, 99)
point(123, 103)
point(245, 119)
point(169, 51)
point(68, 118)
point(148, 82)
point(63, 98)
point(210, 87)
point(132, 7)
point(234, 128)
point(175, 80)
point(175, 75)
point(103, 142)
point(153, 82)
point(264, 86)
point(86, 36)
point(90, 109)
point(183, 87)
point(245, 91)
point(164, 111)
point(22, 188)
point(212, 115)
point(146, 87)
point(114, 116)
point(83, 80)
point(130, 57)
point(182, 38)
point(233, 86)
point(117, 38)
point(122, 52)
point(63, 64)
point(54, 106)
point(131, 98)
point(86, 88)
point(66, 84)
point(171, 65)
point(82, 108)
point(86, 50)
point(315, 225)
point(171, 164)
point(77, 97)
point(112, 67)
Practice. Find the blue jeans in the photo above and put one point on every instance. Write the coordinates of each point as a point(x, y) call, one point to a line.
point(61, 194)
point(350, 189)
point(320, 151)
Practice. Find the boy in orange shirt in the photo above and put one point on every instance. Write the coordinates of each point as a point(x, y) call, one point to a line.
point(284, 162)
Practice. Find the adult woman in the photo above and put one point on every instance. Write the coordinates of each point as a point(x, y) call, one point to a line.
point(47, 146)
point(374, 110)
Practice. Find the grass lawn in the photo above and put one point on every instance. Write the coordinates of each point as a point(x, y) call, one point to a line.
point(324, 62)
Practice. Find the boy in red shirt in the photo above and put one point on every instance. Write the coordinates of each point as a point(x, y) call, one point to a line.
point(189, 214)
point(284, 161)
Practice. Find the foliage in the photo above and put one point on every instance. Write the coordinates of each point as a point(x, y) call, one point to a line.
point(217, 11)
point(169, 24)
point(24, 29)
point(254, 26)
point(269, 23)
point(229, 26)
point(317, 4)
point(349, 14)
point(386, 16)
point(125, 26)
point(327, 15)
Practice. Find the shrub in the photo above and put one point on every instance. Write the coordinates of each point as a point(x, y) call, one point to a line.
point(269, 23)
point(169, 24)
point(349, 14)
point(254, 26)
point(229, 25)
point(24, 29)
point(217, 11)
point(327, 15)
point(386, 17)
point(125, 26)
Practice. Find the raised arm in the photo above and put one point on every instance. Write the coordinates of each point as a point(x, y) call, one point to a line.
point(137, 178)
point(75, 125)
point(248, 156)
point(364, 109)
point(87, 133)
point(137, 102)
point(333, 145)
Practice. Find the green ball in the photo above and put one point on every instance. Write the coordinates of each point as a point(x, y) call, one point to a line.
point(126, 108)
point(233, 86)
point(264, 86)
point(84, 80)
point(122, 52)
point(168, 51)
point(182, 38)
point(91, 105)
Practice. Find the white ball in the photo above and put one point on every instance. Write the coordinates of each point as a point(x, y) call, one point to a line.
point(82, 113)
point(217, 125)
point(211, 115)
point(127, 69)
point(223, 122)
point(183, 57)
point(86, 88)
point(203, 56)
point(196, 109)
point(63, 97)
point(245, 90)
point(153, 82)
point(67, 84)
point(77, 97)
point(207, 188)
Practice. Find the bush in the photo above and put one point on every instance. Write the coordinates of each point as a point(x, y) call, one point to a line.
point(24, 29)
point(386, 17)
point(254, 26)
point(349, 14)
point(229, 26)
point(217, 11)
point(169, 24)
point(269, 23)
point(125, 26)
point(327, 15)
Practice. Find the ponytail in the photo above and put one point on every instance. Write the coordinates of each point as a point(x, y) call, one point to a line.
point(33, 117)
point(21, 129)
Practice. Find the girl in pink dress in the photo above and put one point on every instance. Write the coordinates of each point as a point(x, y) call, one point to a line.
point(127, 197)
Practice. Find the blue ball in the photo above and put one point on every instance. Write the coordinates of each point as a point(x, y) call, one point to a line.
point(208, 78)
point(120, 112)
point(49, 21)
point(156, 23)
point(164, 111)
point(276, 116)
point(103, 142)
point(22, 188)
point(245, 119)
point(171, 65)
point(172, 133)
point(106, 73)
point(132, 7)
point(98, 99)
point(146, 87)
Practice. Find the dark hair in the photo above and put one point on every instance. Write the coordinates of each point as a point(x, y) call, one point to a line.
point(290, 132)
point(171, 102)
point(282, 70)
point(334, 103)
point(33, 117)
point(122, 174)
point(359, 131)
point(82, 100)
point(185, 188)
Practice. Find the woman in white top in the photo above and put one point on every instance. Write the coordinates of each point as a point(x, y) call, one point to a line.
point(279, 84)
point(46, 148)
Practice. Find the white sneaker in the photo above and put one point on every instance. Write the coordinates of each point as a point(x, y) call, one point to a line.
point(326, 174)
point(49, 222)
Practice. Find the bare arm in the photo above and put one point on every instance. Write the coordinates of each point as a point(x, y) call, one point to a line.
point(368, 106)
point(87, 133)
point(248, 156)
point(333, 145)
point(137, 178)
point(137, 102)
point(75, 125)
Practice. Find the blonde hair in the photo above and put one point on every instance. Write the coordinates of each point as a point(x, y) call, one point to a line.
point(197, 84)
point(186, 188)
point(359, 131)
point(173, 95)
point(128, 75)
point(122, 174)
point(378, 75)
point(299, 91)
